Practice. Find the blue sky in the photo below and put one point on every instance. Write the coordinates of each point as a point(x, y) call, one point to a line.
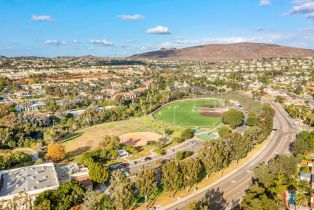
point(125, 27)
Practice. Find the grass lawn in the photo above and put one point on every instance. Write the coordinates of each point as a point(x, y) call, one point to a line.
point(88, 138)
point(247, 102)
point(181, 113)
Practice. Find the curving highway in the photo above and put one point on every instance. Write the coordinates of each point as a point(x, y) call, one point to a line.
point(226, 192)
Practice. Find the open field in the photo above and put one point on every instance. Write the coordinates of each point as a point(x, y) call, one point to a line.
point(88, 138)
point(139, 138)
point(192, 113)
point(247, 102)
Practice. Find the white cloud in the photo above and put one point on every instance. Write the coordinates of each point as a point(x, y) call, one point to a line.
point(54, 42)
point(100, 42)
point(131, 17)
point(162, 30)
point(75, 41)
point(264, 2)
point(305, 7)
point(41, 18)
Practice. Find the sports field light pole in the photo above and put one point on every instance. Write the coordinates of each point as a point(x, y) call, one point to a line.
point(174, 114)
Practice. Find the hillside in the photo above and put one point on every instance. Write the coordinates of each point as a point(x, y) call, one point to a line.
point(227, 52)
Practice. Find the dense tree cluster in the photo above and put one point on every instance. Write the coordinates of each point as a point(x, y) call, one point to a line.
point(96, 160)
point(304, 143)
point(63, 198)
point(278, 175)
point(178, 175)
point(21, 130)
point(10, 159)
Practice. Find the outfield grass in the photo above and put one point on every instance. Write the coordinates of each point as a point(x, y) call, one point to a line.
point(181, 113)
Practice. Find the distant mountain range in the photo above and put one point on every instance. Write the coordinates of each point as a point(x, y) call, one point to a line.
point(227, 52)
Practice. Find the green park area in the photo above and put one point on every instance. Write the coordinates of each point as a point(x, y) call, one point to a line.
point(191, 113)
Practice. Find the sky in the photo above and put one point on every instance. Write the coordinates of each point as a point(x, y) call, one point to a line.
point(119, 28)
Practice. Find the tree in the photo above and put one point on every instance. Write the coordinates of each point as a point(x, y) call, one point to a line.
point(146, 181)
point(4, 110)
point(239, 146)
point(6, 135)
point(251, 120)
point(264, 175)
point(187, 134)
point(111, 145)
point(192, 171)
point(171, 176)
point(304, 142)
point(233, 117)
point(257, 199)
point(121, 191)
point(168, 131)
point(66, 196)
point(215, 155)
point(98, 172)
point(55, 152)
point(224, 131)
point(286, 165)
point(90, 201)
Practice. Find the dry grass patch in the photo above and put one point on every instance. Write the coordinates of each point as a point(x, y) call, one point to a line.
point(139, 138)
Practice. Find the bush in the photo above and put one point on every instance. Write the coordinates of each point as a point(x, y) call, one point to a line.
point(160, 151)
point(130, 149)
point(182, 155)
point(187, 134)
point(251, 120)
point(178, 139)
point(168, 131)
point(179, 155)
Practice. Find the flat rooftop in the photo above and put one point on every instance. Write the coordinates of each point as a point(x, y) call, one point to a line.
point(31, 179)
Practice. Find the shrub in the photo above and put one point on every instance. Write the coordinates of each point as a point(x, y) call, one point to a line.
point(251, 120)
point(130, 149)
point(160, 151)
point(187, 134)
point(178, 139)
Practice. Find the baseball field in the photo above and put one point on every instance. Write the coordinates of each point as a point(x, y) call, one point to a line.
point(192, 113)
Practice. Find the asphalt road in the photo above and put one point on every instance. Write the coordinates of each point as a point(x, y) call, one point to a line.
point(228, 190)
